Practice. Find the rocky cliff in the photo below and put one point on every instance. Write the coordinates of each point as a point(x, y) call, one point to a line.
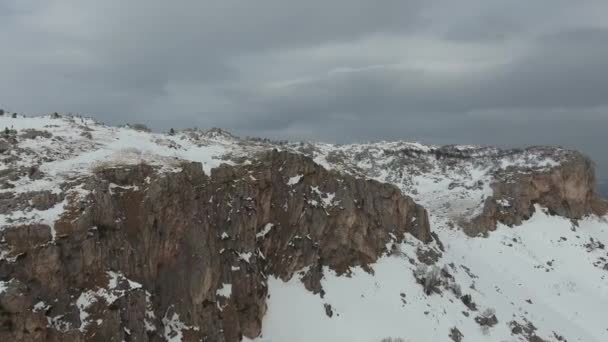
point(567, 190)
point(473, 187)
point(140, 255)
point(119, 234)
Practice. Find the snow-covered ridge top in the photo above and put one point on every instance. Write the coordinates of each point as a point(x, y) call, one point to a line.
point(54, 123)
point(548, 271)
point(80, 141)
point(447, 151)
point(42, 153)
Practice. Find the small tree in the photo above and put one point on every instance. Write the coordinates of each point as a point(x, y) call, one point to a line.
point(432, 279)
point(171, 131)
point(455, 288)
point(1, 112)
point(14, 115)
point(429, 277)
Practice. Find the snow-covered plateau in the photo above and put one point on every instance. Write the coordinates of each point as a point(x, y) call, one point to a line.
point(122, 234)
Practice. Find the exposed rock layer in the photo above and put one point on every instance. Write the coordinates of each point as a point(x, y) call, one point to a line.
point(149, 256)
point(566, 190)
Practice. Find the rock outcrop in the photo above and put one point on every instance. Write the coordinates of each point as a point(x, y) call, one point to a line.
point(148, 256)
point(568, 190)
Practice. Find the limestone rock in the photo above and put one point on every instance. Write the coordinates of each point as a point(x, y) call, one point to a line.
point(567, 190)
point(149, 255)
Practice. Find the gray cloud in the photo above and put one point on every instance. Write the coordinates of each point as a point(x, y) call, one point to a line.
point(475, 71)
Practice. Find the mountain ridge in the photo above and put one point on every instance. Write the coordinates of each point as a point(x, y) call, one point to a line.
point(204, 226)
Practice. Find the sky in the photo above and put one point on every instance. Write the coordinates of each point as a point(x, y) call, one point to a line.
point(491, 72)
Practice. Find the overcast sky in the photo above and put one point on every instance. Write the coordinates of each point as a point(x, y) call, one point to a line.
point(501, 72)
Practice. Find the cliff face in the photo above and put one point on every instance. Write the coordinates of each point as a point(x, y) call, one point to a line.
point(141, 255)
point(566, 190)
point(112, 234)
point(475, 188)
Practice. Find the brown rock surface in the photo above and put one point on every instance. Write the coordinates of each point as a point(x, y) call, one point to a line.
point(567, 190)
point(148, 256)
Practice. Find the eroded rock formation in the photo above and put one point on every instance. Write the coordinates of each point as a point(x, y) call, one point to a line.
point(566, 190)
point(147, 256)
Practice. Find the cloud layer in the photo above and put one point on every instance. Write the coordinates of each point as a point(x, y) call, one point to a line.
point(475, 71)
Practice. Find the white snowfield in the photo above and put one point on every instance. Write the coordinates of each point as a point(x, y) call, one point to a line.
point(547, 274)
point(508, 272)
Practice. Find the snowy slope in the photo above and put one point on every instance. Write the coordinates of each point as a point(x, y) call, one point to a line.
point(75, 147)
point(567, 298)
point(547, 273)
point(451, 180)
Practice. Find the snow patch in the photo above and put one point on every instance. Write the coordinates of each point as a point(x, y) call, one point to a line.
point(108, 294)
point(327, 199)
point(264, 231)
point(224, 291)
point(566, 298)
point(245, 256)
point(294, 180)
point(4, 286)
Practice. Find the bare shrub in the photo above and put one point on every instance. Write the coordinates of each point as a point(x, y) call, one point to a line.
point(429, 277)
point(432, 279)
point(421, 270)
point(489, 312)
point(455, 335)
point(487, 318)
point(467, 300)
point(140, 127)
point(455, 288)
point(396, 250)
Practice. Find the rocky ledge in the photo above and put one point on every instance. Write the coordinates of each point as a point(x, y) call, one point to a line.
point(567, 189)
point(141, 255)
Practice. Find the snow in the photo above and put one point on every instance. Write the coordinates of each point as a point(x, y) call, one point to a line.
point(224, 291)
point(77, 155)
point(3, 286)
point(503, 202)
point(58, 323)
point(569, 299)
point(109, 294)
point(69, 155)
point(245, 256)
point(264, 231)
point(532, 160)
point(327, 199)
point(150, 317)
point(40, 306)
point(417, 171)
point(84, 301)
point(113, 186)
point(47, 217)
point(173, 328)
point(455, 187)
point(561, 269)
point(294, 180)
